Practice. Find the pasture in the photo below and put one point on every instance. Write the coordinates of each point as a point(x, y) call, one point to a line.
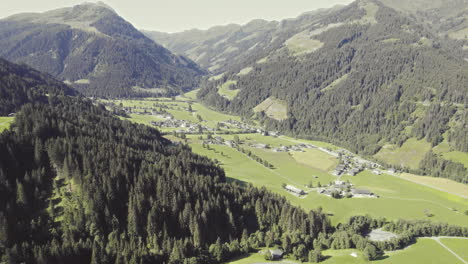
point(398, 198)
point(409, 154)
point(227, 91)
point(425, 250)
point(5, 122)
point(457, 245)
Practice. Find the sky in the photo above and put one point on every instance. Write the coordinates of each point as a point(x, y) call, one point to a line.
point(180, 15)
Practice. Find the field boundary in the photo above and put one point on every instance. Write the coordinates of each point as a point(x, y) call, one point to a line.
point(427, 185)
point(437, 239)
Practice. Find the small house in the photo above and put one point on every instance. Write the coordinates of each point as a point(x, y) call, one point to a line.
point(276, 253)
point(294, 190)
point(11, 115)
point(362, 193)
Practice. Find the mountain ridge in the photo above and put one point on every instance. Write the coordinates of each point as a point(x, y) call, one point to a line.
point(96, 51)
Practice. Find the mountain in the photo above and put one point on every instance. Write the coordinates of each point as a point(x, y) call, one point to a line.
point(364, 77)
point(220, 46)
point(92, 48)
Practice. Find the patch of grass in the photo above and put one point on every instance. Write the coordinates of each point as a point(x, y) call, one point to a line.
point(424, 251)
point(398, 198)
point(335, 83)
point(457, 156)
point(343, 256)
point(409, 154)
point(273, 108)
point(5, 122)
point(226, 91)
point(142, 119)
point(441, 183)
point(316, 159)
point(302, 43)
point(459, 246)
point(245, 71)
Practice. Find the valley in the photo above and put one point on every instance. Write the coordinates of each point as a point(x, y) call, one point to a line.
point(338, 135)
point(400, 195)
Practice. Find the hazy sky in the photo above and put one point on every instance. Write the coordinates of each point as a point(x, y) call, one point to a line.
point(179, 15)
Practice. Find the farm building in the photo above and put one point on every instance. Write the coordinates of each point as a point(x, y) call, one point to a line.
point(376, 172)
point(361, 193)
point(294, 190)
point(276, 253)
point(339, 170)
point(230, 143)
point(11, 115)
point(260, 146)
point(354, 171)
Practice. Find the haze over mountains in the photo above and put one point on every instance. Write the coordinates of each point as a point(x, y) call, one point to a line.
point(95, 50)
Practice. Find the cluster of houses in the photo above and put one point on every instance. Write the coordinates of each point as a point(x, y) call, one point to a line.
point(340, 189)
point(186, 126)
point(239, 125)
point(352, 165)
point(298, 148)
point(219, 141)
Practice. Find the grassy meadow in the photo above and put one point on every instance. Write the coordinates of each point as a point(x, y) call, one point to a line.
point(5, 122)
point(424, 251)
point(409, 154)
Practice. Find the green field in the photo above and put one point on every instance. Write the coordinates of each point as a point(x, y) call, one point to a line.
point(398, 198)
point(424, 251)
point(458, 245)
point(409, 154)
point(316, 158)
point(5, 122)
point(175, 107)
point(226, 91)
point(457, 156)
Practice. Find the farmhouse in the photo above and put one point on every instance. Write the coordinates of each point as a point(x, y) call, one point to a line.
point(354, 171)
point(260, 146)
point(276, 253)
point(361, 193)
point(294, 190)
point(376, 172)
point(339, 170)
point(230, 143)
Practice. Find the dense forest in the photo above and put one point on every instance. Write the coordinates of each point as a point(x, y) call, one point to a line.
point(97, 52)
point(370, 84)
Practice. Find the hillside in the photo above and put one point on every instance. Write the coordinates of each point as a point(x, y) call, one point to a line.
point(92, 48)
point(80, 186)
point(219, 47)
point(362, 77)
point(26, 85)
point(447, 18)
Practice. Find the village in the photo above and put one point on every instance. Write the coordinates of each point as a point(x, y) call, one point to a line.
point(349, 163)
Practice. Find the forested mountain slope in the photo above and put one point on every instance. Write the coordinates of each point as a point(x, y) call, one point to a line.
point(78, 185)
point(99, 53)
point(219, 47)
point(362, 77)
